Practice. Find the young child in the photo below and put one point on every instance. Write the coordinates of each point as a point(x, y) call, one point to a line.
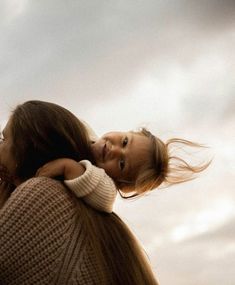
point(130, 162)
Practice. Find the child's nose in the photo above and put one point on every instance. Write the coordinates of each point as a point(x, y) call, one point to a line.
point(115, 151)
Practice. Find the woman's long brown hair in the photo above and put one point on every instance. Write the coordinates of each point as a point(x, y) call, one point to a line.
point(44, 131)
point(120, 258)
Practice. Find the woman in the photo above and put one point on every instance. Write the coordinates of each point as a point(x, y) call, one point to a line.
point(47, 236)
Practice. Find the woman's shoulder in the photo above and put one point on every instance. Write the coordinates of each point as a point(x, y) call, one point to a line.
point(41, 185)
point(40, 225)
point(42, 192)
point(40, 182)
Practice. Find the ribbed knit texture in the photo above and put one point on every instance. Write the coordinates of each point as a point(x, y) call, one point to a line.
point(42, 237)
point(95, 186)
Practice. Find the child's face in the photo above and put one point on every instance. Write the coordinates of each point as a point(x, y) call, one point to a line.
point(121, 154)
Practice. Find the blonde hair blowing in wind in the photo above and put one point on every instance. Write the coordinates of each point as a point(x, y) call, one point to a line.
point(166, 167)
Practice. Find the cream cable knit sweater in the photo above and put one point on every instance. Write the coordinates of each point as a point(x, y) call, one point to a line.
point(43, 240)
point(95, 187)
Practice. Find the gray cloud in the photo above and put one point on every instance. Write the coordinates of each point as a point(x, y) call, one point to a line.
point(222, 235)
point(206, 259)
point(85, 49)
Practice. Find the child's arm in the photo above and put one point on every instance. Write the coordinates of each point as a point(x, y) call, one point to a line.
point(85, 180)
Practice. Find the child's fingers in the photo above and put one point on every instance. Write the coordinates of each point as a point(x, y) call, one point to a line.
point(45, 170)
point(50, 169)
point(42, 172)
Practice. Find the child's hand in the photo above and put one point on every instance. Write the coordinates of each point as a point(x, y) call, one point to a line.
point(66, 167)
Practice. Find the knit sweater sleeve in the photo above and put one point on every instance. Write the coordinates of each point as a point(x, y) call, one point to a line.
point(95, 187)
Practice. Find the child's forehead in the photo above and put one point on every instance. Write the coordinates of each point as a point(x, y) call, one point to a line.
point(139, 155)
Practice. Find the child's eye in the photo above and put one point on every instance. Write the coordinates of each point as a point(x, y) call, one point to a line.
point(125, 141)
point(122, 164)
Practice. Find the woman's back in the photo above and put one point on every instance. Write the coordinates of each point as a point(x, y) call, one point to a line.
point(49, 237)
point(42, 240)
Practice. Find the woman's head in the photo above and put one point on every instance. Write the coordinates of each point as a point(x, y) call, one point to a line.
point(38, 132)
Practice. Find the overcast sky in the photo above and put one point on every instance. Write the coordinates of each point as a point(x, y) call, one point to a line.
point(120, 65)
